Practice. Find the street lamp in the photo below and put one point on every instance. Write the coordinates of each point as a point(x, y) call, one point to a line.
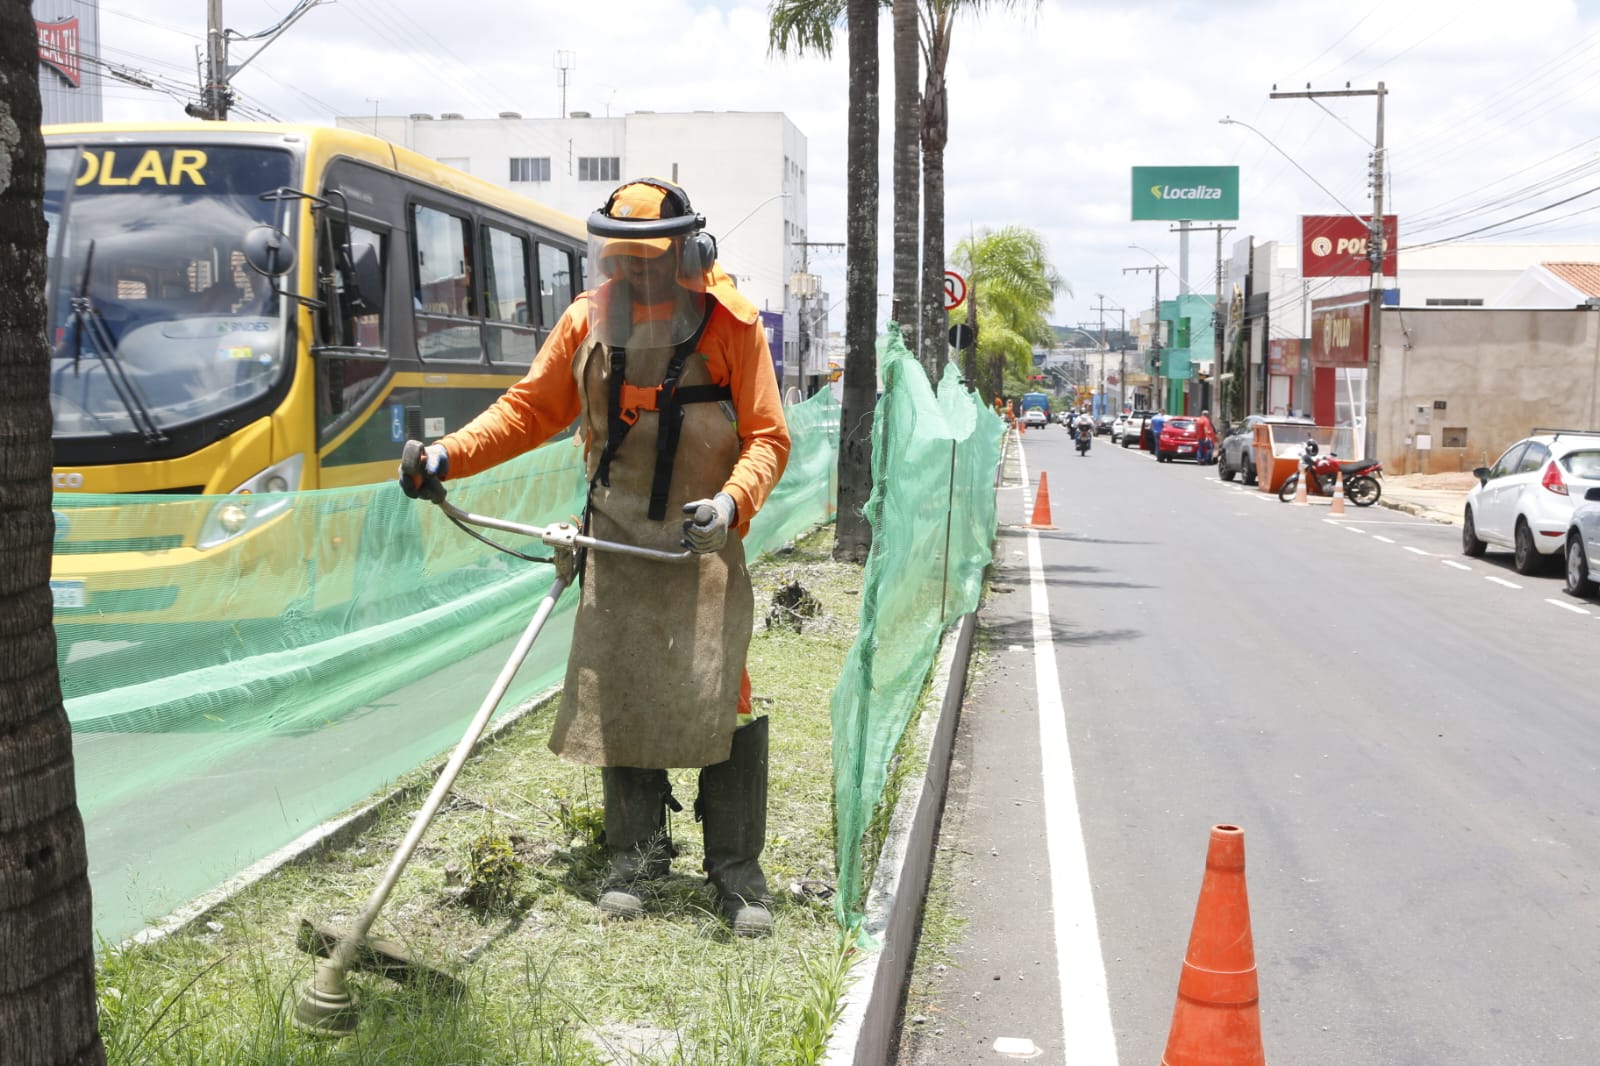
point(728, 232)
point(1225, 121)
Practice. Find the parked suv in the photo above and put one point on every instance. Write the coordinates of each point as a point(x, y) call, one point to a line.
point(1131, 426)
point(1236, 454)
point(1525, 500)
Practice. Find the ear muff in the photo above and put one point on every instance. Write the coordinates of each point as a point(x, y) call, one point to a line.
point(698, 253)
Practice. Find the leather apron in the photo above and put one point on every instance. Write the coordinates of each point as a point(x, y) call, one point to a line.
point(658, 648)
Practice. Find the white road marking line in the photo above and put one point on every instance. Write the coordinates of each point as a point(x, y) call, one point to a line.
point(1503, 581)
point(1458, 566)
point(1385, 540)
point(1080, 967)
point(1565, 606)
point(1418, 551)
point(1353, 529)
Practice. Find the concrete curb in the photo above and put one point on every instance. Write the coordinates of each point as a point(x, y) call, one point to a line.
point(865, 1032)
point(1417, 509)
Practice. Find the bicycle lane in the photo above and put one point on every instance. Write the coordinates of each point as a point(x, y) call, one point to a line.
point(1024, 978)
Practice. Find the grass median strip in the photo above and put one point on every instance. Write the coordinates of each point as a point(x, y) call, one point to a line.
point(500, 897)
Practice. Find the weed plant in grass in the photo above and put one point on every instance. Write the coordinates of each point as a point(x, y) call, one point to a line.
point(541, 978)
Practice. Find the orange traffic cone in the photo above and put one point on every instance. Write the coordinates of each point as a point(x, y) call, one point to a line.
point(1300, 494)
point(1337, 507)
point(1041, 505)
point(1217, 1021)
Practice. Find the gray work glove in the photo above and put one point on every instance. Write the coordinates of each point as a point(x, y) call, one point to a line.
point(706, 529)
point(432, 466)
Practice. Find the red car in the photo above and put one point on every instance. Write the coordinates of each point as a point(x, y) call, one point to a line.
point(1181, 439)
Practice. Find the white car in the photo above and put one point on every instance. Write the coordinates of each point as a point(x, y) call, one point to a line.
point(1035, 416)
point(1583, 546)
point(1525, 500)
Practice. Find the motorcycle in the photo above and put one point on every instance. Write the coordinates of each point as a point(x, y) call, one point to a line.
point(1360, 478)
point(1084, 436)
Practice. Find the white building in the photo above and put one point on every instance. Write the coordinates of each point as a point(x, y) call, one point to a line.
point(744, 171)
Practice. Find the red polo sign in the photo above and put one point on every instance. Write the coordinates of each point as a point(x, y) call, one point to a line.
point(1339, 331)
point(58, 48)
point(1335, 246)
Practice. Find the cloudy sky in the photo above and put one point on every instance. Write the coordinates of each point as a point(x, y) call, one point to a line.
point(1493, 109)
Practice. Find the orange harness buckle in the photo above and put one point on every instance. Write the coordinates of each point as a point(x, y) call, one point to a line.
point(636, 398)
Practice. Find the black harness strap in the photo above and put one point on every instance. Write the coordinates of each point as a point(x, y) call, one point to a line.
point(669, 400)
point(670, 425)
point(616, 426)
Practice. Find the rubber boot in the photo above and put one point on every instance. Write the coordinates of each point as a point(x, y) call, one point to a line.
point(636, 803)
point(733, 807)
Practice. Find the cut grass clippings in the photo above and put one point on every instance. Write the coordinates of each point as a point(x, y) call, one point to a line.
point(500, 894)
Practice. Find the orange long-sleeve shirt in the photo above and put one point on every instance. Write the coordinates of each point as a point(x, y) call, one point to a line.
point(546, 400)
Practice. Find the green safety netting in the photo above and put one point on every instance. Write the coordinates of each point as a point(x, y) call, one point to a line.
point(932, 511)
point(226, 699)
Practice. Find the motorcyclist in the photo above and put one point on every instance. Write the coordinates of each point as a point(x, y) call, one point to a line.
point(1083, 427)
point(656, 675)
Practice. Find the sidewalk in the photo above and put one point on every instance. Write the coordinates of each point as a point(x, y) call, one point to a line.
point(1438, 497)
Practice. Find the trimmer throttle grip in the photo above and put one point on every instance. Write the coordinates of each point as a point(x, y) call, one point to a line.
point(413, 465)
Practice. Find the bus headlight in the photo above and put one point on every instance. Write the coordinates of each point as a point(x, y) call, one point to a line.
point(252, 503)
point(232, 517)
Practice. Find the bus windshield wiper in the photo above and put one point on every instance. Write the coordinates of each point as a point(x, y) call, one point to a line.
point(87, 321)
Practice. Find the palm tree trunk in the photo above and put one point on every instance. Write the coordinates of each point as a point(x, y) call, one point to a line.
point(935, 134)
point(907, 120)
point(853, 534)
point(47, 999)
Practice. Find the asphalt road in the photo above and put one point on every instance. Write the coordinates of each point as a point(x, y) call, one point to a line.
point(1407, 737)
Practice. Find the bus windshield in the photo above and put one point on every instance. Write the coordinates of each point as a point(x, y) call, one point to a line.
point(155, 319)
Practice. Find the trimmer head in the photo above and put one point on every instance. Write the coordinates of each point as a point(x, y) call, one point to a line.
point(325, 1006)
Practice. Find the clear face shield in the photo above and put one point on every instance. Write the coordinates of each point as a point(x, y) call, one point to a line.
point(642, 298)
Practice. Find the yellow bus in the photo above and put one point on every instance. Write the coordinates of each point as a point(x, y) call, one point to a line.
point(243, 310)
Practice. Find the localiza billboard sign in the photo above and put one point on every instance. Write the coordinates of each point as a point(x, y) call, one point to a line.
point(1335, 246)
point(1172, 194)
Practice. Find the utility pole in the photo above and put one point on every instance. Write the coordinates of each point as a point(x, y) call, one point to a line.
point(214, 94)
point(1216, 311)
point(1375, 250)
point(216, 91)
point(1156, 399)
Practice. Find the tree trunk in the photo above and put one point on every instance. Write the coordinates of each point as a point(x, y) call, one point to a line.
point(935, 351)
point(853, 534)
point(47, 998)
point(907, 123)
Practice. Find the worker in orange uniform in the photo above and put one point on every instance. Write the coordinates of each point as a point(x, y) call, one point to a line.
point(666, 367)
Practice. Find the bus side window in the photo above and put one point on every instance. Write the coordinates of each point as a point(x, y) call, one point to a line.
point(555, 285)
point(339, 326)
point(443, 298)
point(353, 361)
point(509, 334)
